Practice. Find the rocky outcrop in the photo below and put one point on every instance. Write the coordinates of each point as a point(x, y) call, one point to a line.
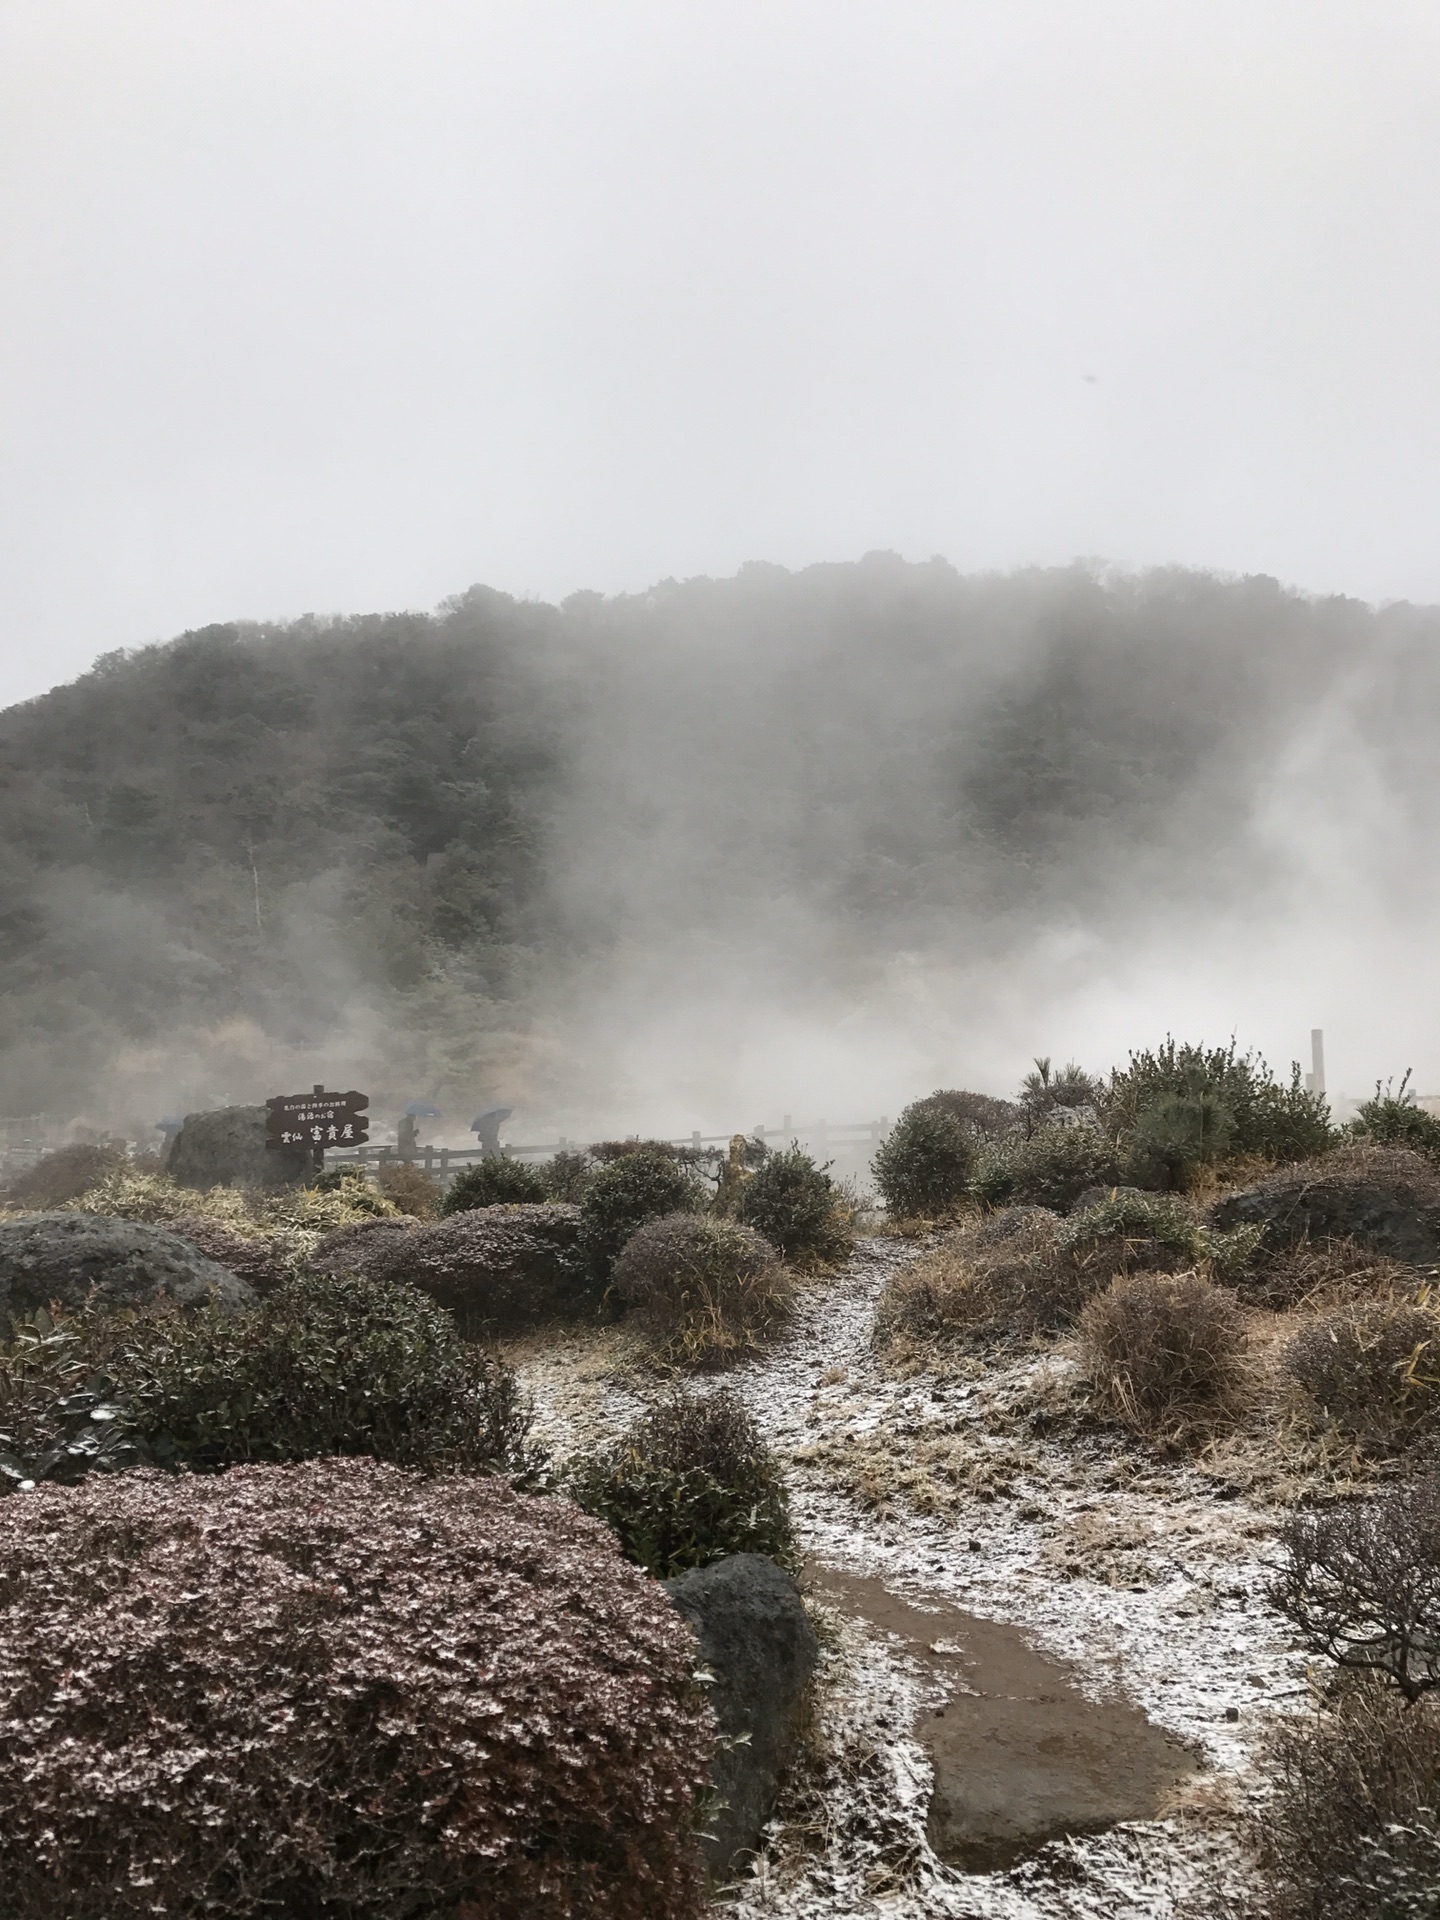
point(226, 1148)
point(71, 1258)
point(756, 1639)
point(496, 1268)
point(1385, 1198)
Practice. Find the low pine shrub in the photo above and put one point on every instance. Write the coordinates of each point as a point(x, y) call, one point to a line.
point(798, 1208)
point(339, 1690)
point(690, 1482)
point(1371, 1369)
point(1164, 1352)
point(642, 1184)
point(1175, 1137)
point(327, 1365)
point(1349, 1828)
point(496, 1182)
point(1051, 1168)
point(923, 1166)
point(703, 1288)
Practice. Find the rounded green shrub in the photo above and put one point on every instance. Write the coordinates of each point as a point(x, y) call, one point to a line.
point(327, 1364)
point(496, 1182)
point(1052, 1168)
point(338, 1691)
point(1397, 1120)
point(925, 1163)
point(690, 1482)
point(705, 1289)
point(798, 1208)
point(1272, 1119)
point(626, 1192)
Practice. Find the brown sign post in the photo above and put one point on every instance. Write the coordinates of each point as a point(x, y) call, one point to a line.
point(316, 1120)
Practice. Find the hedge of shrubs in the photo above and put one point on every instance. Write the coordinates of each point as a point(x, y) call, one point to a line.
point(337, 1689)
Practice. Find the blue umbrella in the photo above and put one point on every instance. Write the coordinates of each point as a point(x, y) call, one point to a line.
point(422, 1110)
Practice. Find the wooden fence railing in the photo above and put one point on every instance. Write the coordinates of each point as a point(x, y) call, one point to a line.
point(819, 1135)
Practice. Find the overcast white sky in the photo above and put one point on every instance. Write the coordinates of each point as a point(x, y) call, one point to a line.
point(344, 304)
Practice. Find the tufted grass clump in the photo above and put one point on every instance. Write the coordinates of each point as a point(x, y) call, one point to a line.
point(1165, 1352)
point(1370, 1370)
point(690, 1482)
point(704, 1289)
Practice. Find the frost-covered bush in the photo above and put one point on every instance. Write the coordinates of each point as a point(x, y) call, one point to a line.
point(496, 1182)
point(924, 1164)
point(798, 1208)
point(326, 1365)
point(635, 1186)
point(705, 1289)
point(1000, 1277)
point(690, 1482)
point(496, 1269)
point(1163, 1350)
point(338, 1690)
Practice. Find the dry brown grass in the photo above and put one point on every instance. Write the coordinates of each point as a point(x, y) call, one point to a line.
point(1371, 1370)
point(1165, 1353)
point(996, 1277)
point(1330, 1272)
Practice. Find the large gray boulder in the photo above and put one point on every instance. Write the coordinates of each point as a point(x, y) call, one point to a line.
point(756, 1638)
point(71, 1257)
point(226, 1148)
point(496, 1268)
point(1386, 1198)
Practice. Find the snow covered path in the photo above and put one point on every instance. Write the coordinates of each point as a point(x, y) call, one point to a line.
point(1144, 1576)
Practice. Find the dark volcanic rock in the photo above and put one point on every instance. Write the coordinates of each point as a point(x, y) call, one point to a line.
point(1386, 1198)
point(68, 1257)
point(495, 1268)
point(756, 1638)
point(226, 1148)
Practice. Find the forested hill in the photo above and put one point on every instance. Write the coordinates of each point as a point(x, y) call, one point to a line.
point(410, 839)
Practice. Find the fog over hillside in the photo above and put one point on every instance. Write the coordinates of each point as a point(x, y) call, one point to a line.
point(811, 841)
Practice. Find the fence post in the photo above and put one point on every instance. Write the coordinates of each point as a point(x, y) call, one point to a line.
point(429, 1160)
point(785, 1126)
point(759, 1134)
point(444, 1163)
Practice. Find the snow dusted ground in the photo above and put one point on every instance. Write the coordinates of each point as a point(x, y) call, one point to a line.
point(1145, 1576)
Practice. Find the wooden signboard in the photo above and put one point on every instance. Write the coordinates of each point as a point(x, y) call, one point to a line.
point(317, 1120)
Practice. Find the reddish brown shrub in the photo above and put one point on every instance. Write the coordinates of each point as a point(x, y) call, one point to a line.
point(336, 1690)
point(62, 1176)
point(496, 1268)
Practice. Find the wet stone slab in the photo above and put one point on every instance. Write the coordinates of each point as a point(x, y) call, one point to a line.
point(1021, 1755)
